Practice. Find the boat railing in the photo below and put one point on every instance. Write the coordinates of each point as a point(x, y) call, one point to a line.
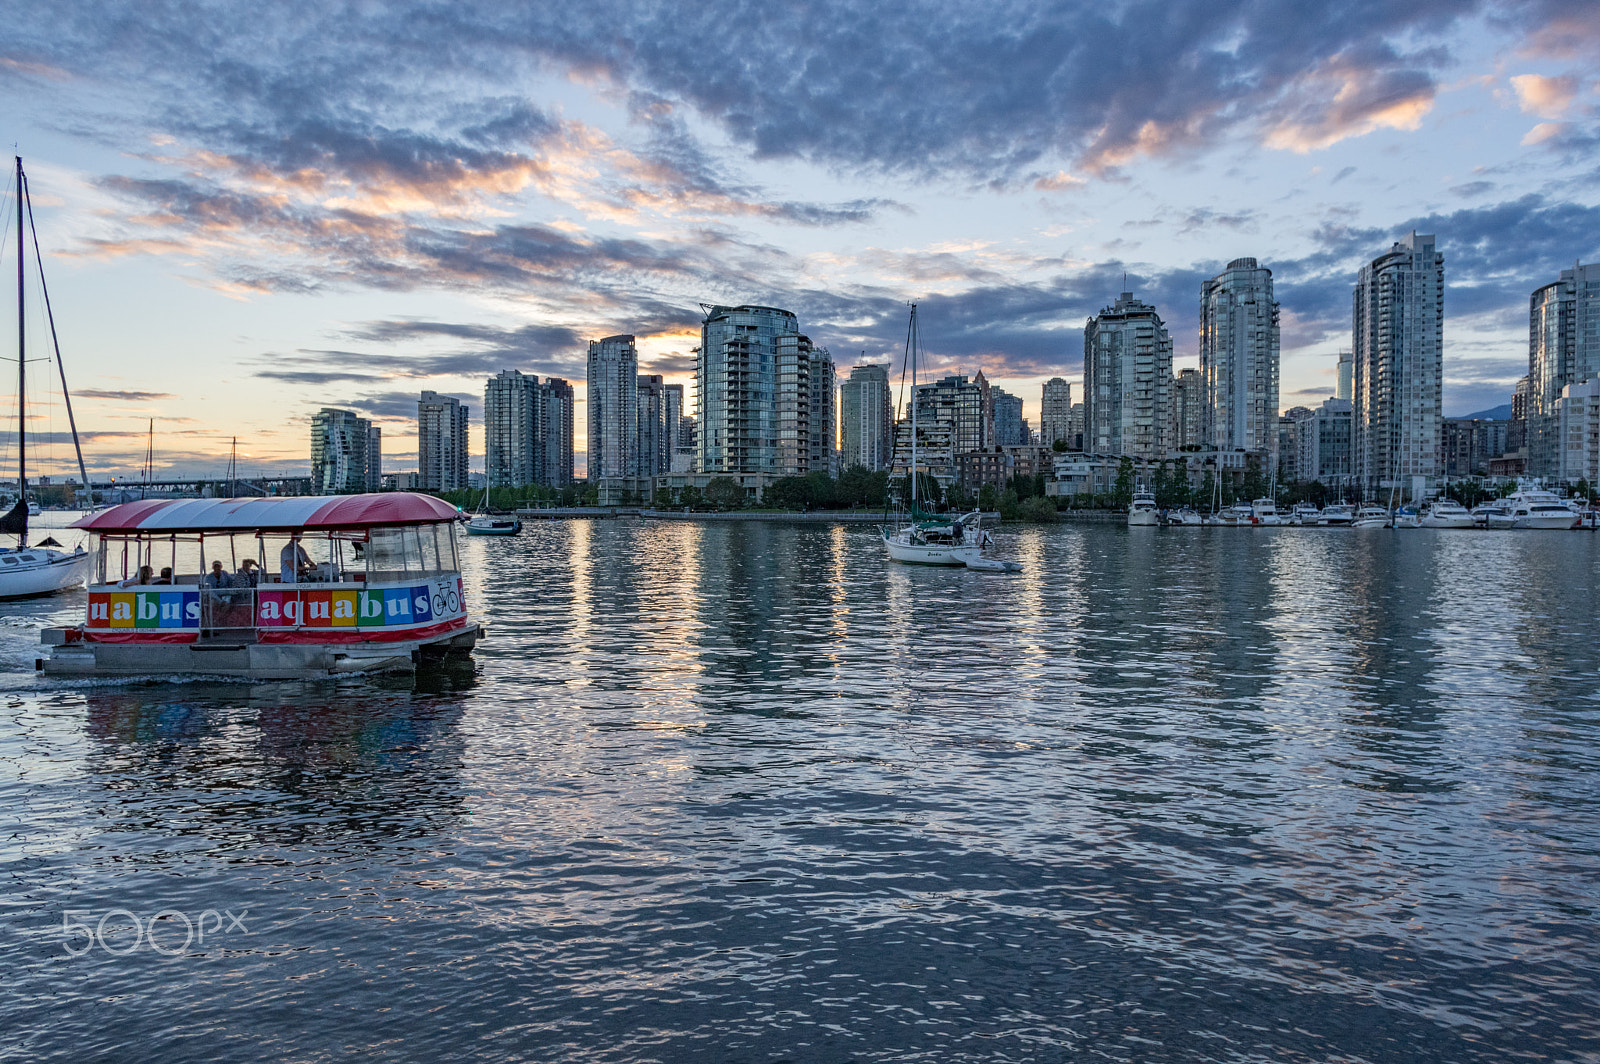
point(228, 614)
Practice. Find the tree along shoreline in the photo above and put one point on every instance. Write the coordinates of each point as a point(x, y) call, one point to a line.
point(1021, 498)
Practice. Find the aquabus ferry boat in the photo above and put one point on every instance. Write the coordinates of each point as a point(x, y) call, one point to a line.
point(286, 588)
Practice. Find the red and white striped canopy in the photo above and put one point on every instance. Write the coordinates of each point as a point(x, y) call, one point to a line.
point(319, 512)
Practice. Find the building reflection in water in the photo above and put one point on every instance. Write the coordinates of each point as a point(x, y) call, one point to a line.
point(339, 763)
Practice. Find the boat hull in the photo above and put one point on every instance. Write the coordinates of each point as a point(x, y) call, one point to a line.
point(493, 527)
point(1543, 522)
point(62, 572)
point(1463, 521)
point(1140, 518)
point(931, 554)
point(71, 656)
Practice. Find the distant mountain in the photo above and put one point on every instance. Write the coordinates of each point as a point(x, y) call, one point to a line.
point(1494, 413)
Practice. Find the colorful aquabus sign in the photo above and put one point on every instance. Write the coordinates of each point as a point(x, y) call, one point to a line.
point(144, 609)
point(286, 607)
point(367, 608)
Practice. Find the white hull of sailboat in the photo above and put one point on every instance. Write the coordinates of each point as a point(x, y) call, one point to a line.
point(493, 526)
point(53, 571)
point(931, 553)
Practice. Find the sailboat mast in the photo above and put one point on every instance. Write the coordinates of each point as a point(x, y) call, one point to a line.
point(55, 341)
point(22, 370)
point(911, 340)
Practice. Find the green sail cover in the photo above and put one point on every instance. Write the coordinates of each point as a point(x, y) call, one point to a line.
point(921, 516)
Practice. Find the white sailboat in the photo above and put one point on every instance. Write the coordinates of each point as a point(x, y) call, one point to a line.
point(488, 524)
point(925, 538)
point(43, 570)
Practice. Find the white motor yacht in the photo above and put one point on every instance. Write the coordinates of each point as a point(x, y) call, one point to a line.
point(1304, 513)
point(1233, 516)
point(1540, 509)
point(1265, 512)
point(1184, 516)
point(1371, 517)
point(1143, 509)
point(1494, 514)
point(1447, 513)
point(1337, 514)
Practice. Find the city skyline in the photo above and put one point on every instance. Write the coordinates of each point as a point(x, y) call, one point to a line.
point(311, 227)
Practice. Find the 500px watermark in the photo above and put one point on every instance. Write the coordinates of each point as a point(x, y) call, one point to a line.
point(120, 932)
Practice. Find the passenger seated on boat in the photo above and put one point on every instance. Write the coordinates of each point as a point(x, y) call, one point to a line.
point(143, 578)
point(249, 575)
point(217, 578)
point(293, 561)
point(166, 575)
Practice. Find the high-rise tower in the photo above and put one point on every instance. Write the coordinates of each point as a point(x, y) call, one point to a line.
point(613, 402)
point(346, 453)
point(1055, 412)
point(1127, 381)
point(866, 418)
point(1398, 346)
point(1239, 358)
point(1563, 349)
point(441, 443)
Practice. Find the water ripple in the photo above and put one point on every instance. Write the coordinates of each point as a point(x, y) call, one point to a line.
point(746, 792)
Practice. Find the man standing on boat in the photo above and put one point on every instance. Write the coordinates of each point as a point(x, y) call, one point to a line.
point(292, 561)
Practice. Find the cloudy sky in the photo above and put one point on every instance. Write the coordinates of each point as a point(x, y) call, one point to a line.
point(249, 211)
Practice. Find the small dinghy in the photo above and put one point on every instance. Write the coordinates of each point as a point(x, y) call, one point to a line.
point(993, 565)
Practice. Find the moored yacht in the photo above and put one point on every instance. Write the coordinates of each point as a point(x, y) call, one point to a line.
point(493, 525)
point(1233, 516)
point(1184, 516)
point(1337, 514)
point(1540, 510)
point(1142, 511)
point(1371, 517)
point(924, 538)
point(1265, 512)
point(1446, 513)
point(1493, 514)
point(1304, 513)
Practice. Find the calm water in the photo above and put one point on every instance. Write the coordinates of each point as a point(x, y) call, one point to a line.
point(749, 793)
